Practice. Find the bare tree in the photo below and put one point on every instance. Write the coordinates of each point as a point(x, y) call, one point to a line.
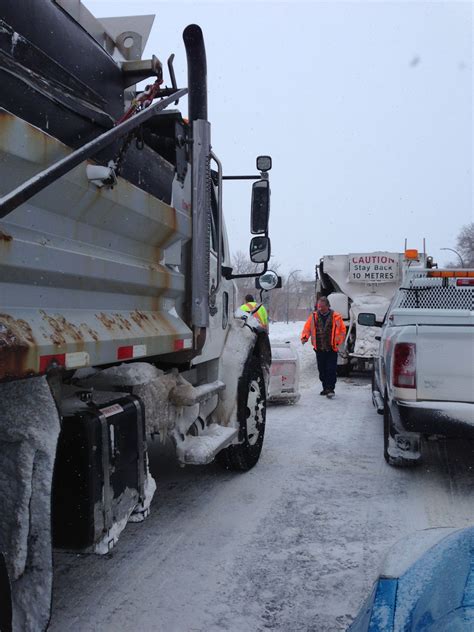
point(464, 248)
point(241, 264)
point(465, 244)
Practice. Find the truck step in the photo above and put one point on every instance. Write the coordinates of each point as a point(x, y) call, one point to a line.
point(187, 395)
point(203, 449)
point(377, 401)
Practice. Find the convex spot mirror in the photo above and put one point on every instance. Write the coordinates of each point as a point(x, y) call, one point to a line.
point(260, 249)
point(269, 280)
point(366, 319)
point(264, 163)
point(260, 207)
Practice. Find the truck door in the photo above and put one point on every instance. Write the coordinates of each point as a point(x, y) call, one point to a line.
point(220, 290)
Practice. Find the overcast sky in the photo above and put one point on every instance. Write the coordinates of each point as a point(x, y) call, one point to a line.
point(365, 107)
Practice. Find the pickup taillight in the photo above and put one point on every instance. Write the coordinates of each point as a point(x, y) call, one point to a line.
point(404, 365)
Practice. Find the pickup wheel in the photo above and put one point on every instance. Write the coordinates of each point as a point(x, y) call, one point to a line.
point(251, 413)
point(388, 440)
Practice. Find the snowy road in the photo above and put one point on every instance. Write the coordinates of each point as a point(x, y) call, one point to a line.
point(293, 545)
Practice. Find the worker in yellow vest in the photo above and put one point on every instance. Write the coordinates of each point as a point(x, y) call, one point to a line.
point(261, 314)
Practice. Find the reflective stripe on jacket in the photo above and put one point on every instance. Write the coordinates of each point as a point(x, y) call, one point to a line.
point(338, 332)
point(261, 314)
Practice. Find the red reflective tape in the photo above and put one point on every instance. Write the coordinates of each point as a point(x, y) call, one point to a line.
point(47, 360)
point(124, 353)
point(178, 345)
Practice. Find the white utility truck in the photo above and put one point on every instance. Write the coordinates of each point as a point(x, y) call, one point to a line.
point(362, 282)
point(118, 306)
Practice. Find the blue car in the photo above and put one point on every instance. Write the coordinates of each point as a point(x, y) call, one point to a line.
point(426, 585)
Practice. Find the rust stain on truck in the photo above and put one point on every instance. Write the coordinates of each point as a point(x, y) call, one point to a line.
point(17, 348)
point(62, 330)
point(5, 238)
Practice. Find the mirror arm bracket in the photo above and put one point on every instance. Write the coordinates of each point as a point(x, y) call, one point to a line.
point(241, 177)
point(227, 273)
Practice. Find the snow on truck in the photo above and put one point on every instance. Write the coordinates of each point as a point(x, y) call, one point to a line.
point(118, 312)
point(358, 283)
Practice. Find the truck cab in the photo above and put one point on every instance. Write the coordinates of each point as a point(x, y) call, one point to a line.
point(359, 283)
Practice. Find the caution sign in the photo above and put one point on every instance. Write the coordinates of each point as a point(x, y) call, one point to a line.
point(374, 267)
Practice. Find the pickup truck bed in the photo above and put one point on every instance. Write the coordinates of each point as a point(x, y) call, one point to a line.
point(424, 375)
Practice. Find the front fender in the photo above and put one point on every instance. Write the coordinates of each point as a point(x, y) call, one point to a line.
point(242, 341)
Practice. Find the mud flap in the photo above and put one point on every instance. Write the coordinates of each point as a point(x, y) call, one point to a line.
point(404, 449)
point(29, 428)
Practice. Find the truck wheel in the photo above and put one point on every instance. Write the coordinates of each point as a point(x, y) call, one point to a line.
point(251, 413)
point(389, 441)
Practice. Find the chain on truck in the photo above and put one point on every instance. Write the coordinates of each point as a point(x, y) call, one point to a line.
point(118, 317)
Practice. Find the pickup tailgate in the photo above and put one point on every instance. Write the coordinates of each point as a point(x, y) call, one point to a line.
point(445, 362)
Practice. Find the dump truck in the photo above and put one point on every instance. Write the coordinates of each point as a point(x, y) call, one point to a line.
point(357, 283)
point(119, 318)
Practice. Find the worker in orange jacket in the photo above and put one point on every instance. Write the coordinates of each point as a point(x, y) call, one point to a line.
point(327, 331)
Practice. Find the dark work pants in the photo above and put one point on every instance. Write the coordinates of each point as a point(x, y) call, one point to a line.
point(327, 367)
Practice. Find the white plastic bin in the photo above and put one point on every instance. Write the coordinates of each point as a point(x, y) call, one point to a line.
point(284, 374)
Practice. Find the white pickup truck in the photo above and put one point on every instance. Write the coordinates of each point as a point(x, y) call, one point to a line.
point(423, 380)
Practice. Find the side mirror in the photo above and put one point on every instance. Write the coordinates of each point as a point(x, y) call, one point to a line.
point(368, 320)
point(264, 163)
point(260, 207)
point(268, 281)
point(260, 249)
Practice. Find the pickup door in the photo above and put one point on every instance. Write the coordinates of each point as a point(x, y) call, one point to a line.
point(445, 356)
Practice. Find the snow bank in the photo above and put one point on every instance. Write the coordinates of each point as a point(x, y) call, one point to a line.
point(29, 428)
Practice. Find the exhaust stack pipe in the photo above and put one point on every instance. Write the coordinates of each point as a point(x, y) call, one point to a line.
point(197, 72)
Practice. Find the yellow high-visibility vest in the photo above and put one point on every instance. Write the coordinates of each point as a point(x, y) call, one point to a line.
point(260, 314)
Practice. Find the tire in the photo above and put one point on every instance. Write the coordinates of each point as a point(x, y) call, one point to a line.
point(388, 433)
point(251, 414)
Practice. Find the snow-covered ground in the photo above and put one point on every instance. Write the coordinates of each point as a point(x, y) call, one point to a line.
point(293, 545)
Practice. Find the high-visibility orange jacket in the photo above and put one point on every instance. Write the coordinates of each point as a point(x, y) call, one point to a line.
point(338, 332)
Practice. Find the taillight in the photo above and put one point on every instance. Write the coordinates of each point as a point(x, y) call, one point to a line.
point(404, 365)
point(465, 282)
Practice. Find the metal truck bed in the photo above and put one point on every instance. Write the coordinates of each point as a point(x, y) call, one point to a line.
point(83, 272)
